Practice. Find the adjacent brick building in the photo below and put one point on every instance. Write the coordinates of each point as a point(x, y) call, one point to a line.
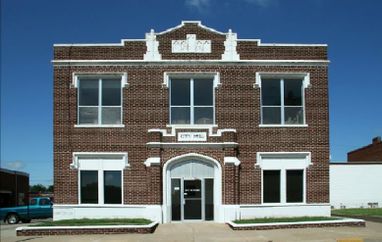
point(371, 152)
point(14, 188)
point(191, 124)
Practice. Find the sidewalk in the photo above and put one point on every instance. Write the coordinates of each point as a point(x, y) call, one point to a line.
point(206, 232)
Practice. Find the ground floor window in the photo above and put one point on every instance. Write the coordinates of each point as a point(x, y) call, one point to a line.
point(280, 186)
point(91, 182)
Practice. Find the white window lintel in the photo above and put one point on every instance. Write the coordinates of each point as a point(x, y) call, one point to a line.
point(168, 75)
point(305, 76)
point(98, 155)
point(77, 75)
point(283, 160)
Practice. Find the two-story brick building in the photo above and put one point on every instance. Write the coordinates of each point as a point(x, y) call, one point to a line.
point(191, 124)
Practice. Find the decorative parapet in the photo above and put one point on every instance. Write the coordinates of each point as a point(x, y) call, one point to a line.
point(191, 45)
point(152, 52)
point(230, 52)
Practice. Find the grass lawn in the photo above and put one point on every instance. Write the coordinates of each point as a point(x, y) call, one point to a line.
point(373, 212)
point(84, 222)
point(288, 219)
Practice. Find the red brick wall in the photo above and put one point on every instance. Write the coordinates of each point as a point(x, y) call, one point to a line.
point(372, 152)
point(146, 106)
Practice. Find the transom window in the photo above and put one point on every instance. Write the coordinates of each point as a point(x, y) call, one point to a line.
point(99, 101)
point(282, 101)
point(192, 101)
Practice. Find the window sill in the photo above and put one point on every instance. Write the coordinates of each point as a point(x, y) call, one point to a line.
point(282, 204)
point(195, 126)
point(283, 125)
point(99, 126)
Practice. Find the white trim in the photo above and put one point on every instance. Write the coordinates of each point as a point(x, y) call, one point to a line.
point(191, 45)
point(305, 76)
point(218, 209)
point(192, 145)
point(77, 75)
point(168, 75)
point(174, 127)
point(231, 160)
point(99, 125)
point(99, 155)
point(87, 227)
point(283, 160)
point(190, 62)
point(199, 23)
point(152, 161)
point(341, 220)
point(283, 125)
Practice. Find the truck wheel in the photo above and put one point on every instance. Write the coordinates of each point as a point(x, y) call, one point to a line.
point(12, 218)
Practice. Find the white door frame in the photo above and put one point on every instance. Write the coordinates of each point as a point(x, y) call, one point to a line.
point(166, 206)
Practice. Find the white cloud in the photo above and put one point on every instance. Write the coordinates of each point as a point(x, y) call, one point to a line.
point(13, 165)
point(200, 5)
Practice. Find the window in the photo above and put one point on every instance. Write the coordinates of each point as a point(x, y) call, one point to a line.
point(271, 186)
point(192, 101)
point(100, 176)
point(280, 186)
point(90, 187)
point(99, 101)
point(282, 101)
point(294, 184)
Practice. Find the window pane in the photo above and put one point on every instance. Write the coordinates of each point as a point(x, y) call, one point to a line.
point(271, 186)
point(270, 92)
point(111, 115)
point(112, 187)
point(294, 115)
point(209, 199)
point(295, 186)
point(203, 92)
point(88, 115)
point(111, 92)
point(180, 92)
point(271, 115)
point(89, 186)
point(180, 115)
point(204, 115)
point(88, 93)
point(292, 92)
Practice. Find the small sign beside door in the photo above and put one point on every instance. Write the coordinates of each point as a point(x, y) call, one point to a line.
point(192, 136)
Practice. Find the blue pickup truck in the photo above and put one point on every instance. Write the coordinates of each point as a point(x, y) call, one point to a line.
point(39, 207)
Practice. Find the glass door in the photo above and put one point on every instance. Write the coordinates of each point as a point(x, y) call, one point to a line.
point(192, 199)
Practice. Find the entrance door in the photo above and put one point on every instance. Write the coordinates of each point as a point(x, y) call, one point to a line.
point(192, 199)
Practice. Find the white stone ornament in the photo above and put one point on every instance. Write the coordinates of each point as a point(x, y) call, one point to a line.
point(230, 53)
point(191, 45)
point(152, 52)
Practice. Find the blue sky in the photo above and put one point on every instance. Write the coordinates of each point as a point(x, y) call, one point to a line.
point(352, 29)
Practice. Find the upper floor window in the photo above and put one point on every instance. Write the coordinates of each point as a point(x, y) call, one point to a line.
point(99, 101)
point(192, 101)
point(282, 101)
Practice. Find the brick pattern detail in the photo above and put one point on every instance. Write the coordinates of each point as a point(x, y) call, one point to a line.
point(298, 226)
point(80, 231)
point(146, 106)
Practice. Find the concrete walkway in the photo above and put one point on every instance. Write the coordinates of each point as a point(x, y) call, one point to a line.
point(205, 232)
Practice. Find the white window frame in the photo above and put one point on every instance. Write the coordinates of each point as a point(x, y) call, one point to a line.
point(99, 77)
point(305, 77)
point(283, 161)
point(100, 162)
point(192, 106)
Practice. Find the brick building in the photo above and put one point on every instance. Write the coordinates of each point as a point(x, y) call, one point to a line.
point(191, 124)
point(14, 188)
point(371, 152)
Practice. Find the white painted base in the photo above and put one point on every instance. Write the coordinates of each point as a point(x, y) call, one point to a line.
point(152, 212)
point(232, 212)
